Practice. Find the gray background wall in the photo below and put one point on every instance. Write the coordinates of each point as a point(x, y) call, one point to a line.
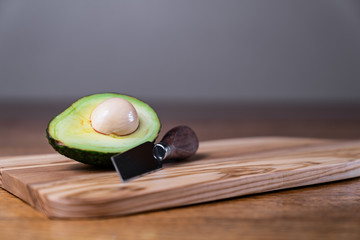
point(202, 50)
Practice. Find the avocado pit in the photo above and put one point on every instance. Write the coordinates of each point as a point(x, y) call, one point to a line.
point(115, 116)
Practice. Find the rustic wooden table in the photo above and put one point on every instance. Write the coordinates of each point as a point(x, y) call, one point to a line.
point(327, 211)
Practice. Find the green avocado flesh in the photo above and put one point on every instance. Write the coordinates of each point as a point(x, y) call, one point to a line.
point(71, 134)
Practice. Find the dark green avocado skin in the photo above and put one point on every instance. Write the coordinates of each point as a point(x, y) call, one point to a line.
point(98, 159)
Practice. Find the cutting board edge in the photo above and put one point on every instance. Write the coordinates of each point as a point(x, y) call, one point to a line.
point(19, 189)
point(352, 171)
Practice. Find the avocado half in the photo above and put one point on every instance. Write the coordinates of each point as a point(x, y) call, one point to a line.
point(71, 134)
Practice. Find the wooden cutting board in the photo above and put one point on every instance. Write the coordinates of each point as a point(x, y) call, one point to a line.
point(63, 188)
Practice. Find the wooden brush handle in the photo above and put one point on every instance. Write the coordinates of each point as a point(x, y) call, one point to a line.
point(179, 143)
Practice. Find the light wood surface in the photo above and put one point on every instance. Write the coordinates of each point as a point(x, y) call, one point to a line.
point(325, 211)
point(63, 188)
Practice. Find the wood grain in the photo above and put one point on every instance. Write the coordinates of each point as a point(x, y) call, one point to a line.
point(62, 188)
